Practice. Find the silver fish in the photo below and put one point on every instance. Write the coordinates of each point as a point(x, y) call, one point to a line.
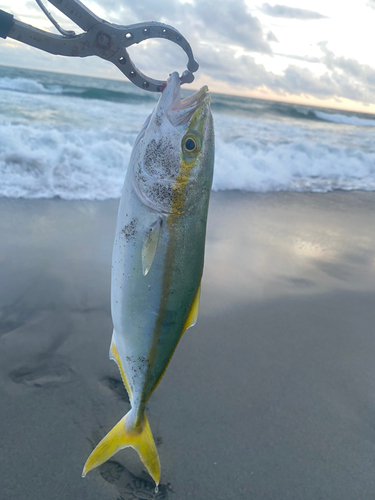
point(158, 257)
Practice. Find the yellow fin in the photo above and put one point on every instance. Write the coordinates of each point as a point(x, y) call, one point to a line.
point(113, 354)
point(193, 314)
point(138, 437)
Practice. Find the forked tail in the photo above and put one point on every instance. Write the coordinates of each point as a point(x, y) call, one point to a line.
point(137, 436)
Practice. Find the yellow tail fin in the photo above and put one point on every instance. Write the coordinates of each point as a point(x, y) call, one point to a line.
point(138, 437)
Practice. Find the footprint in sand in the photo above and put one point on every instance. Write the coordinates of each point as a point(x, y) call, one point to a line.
point(50, 372)
point(131, 487)
point(28, 354)
point(12, 318)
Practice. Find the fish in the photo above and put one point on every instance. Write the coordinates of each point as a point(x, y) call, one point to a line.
point(158, 255)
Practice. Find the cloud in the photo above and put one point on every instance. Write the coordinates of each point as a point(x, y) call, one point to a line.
point(219, 23)
point(357, 80)
point(305, 59)
point(231, 20)
point(271, 37)
point(303, 82)
point(243, 72)
point(343, 78)
point(290, 12)
point(216, 21)
point(351, 67)
point(215, 30)
point(246, 72)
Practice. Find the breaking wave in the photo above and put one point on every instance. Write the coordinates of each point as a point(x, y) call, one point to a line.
point(72, 137)
point(344, 119)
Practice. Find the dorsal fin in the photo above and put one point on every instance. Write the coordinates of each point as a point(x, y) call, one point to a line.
point(150, 245)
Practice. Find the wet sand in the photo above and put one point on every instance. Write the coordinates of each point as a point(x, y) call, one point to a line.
point(270, 396)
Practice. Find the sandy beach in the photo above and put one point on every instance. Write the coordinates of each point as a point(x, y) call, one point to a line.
point(270, 396)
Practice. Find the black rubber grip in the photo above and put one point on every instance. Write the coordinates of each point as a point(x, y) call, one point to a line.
point(6, 23)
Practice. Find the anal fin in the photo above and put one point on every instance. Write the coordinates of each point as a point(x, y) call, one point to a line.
point(114, 354)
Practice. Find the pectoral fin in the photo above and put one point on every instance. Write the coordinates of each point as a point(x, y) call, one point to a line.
point(150, 245)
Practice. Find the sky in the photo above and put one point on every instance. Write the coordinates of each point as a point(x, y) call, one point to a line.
point(316, 52)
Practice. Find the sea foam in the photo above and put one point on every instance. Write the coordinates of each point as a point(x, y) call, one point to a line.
point(74, 141)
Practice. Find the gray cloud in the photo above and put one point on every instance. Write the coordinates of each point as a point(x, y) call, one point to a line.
point(356, 80)
point(343, 78)
point(350, 67)
point(306, 83)
point(232, 21)
point(290, 12)
point(308, 59)
point(216, 21)
point(271, 37)
point(244, 71)
point(250, 74)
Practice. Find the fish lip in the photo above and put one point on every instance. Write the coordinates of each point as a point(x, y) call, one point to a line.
point(195, 99)
point(171, 96)
point(180, 111)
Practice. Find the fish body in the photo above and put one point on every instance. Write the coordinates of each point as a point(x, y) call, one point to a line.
point(158, 257)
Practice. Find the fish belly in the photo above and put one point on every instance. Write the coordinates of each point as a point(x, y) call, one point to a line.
point(149, 312)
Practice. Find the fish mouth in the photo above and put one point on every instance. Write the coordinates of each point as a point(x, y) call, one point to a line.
point(196, 99)
point(180, 111)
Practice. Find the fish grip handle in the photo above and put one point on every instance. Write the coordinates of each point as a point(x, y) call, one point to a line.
point(6, 23)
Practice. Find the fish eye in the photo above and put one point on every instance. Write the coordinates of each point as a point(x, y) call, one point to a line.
point(190, 144)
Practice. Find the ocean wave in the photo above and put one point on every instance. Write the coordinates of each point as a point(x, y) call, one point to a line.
point(26, 85)
point(123, 92)
point(72, 164)
point(276, 110)
point(107, 95)
point(345, 119)
point(303, 166)
point(74, 148)
point(29, 86)
point(90, 163)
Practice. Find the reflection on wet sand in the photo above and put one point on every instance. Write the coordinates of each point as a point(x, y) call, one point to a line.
point(273, 245)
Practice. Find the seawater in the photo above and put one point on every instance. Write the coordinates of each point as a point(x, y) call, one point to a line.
point(71, 137)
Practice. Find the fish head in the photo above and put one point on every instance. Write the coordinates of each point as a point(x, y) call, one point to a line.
point(172, 161)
